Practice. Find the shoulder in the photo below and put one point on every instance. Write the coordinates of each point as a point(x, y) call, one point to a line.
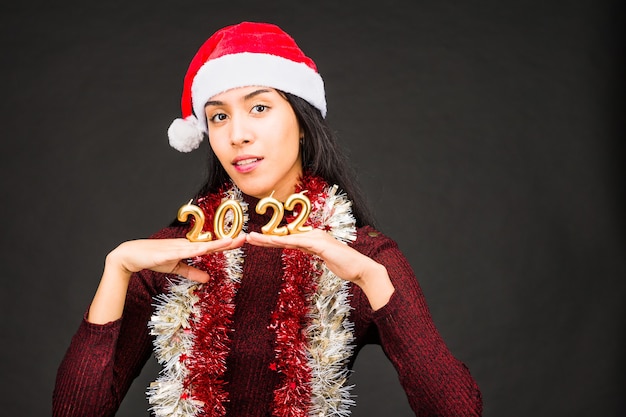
point(370, 241)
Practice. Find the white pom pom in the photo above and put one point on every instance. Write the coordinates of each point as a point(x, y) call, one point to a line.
point(185, 134)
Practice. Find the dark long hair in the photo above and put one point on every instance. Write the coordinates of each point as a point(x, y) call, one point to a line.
point(321, 156)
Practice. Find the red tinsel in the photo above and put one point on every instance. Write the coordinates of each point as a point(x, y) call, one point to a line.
point(212, 328)
point(292, 398)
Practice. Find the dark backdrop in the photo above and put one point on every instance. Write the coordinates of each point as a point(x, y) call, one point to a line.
point(486, 134)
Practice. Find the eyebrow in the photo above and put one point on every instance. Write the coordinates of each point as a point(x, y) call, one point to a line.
point(245, 98)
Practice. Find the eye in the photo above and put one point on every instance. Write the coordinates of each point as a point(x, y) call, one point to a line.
point(259, 108)
point(217, 117)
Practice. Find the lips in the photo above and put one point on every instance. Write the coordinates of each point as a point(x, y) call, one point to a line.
point(246, 163)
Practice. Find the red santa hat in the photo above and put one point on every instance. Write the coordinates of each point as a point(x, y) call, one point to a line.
point(239, 56)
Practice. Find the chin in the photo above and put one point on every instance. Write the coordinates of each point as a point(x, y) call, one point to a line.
point(252, 189)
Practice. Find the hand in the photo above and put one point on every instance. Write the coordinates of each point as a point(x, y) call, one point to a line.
point(344, 261)
point(167, 255)
point(340, 258)
point(160, 255)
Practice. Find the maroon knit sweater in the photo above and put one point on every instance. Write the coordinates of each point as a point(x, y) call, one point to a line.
point(102, 360)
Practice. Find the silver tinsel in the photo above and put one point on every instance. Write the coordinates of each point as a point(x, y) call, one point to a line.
point(330, 334)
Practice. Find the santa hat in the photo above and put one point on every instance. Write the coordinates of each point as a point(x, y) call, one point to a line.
point(239, 56)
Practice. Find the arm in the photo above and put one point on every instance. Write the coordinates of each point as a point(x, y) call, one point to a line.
point(346, 262)
point(112, 343)
point(159, 255)
point(103, 359)
point(436, 383)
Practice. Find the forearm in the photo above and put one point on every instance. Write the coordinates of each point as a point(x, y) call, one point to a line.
point(108, 302)
point(85, 379)
point(436, 383)
point(103, 359)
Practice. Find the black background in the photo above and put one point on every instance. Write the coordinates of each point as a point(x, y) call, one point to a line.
point(487, 136)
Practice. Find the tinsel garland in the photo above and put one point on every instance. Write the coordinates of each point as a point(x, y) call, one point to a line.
point(313, 334)
point(330, 332)
point(192, 324)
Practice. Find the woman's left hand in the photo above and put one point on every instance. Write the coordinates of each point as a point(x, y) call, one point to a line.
point(344, 261)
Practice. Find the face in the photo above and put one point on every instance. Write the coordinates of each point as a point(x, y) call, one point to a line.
point(255, 135)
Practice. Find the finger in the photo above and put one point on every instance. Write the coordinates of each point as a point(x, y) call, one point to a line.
point(302, 241)
point(191, 249)
point(190, 272)
point(236, 242)
point(270, 241)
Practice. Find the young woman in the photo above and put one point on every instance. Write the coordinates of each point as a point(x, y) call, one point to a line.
point(266, 322)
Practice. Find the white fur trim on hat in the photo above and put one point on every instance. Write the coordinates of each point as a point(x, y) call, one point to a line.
point(246, 69)
point(185, 135)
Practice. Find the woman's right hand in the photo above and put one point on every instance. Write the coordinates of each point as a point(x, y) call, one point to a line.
point(159, 255)
point(167, 255)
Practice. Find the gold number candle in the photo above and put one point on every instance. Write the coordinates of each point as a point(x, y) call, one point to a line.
point(195, 234)
point(271, 228)
point(219, 223)
point(296, 226)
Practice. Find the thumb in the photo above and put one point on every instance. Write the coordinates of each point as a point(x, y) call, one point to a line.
point(191, 273)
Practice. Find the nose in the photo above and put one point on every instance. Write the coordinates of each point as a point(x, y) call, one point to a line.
point(240, 133)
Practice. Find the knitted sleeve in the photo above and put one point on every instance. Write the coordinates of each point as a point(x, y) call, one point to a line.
point(435, 382)
point(102, 361)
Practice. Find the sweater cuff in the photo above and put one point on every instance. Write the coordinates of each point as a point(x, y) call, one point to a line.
point(400, 326)
point(96, 333)
point(396, 303)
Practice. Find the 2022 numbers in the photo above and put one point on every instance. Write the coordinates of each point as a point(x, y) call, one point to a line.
point(271, 228)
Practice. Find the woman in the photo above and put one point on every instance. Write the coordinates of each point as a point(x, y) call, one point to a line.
point(264, 322)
